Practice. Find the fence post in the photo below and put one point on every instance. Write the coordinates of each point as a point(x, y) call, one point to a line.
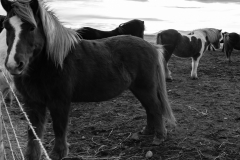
point(1, 134)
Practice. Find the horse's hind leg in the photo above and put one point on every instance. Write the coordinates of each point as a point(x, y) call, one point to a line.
point(59, 111)
point(155, 121)
point(229, 55)
point(168, 73)
point(195, 62)
point(37, 116)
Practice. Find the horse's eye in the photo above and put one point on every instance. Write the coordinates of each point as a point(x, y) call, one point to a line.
point(32, 28)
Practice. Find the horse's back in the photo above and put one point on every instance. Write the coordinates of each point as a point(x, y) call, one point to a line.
point(119, 46)
point(109, 64)
point(168, 37)
point(90, 33)
point(234, 40)
point(189, 46)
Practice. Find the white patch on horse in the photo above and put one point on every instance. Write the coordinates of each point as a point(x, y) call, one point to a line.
point(194, 67)
point(3, 48)
point(15, 22)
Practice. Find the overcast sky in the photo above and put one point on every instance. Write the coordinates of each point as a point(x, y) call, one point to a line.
point(157, 14)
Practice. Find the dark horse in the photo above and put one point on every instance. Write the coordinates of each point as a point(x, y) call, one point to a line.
point(189, 45)
point(133, 27)
point(231, 41)
point(53, 67)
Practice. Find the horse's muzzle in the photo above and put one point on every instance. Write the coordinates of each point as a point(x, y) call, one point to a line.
point(15, 69)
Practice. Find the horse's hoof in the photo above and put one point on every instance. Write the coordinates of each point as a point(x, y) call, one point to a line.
point(147, 131)
point(56, 156)
point(194, 78)
point(157, 140)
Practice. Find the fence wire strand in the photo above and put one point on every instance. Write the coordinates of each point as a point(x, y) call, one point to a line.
point(14, 132)
point(9, 142)
point(28, 121)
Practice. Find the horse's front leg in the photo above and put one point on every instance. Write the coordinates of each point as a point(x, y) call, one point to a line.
point(37, 116)
point(195, 62)
point(59, 111)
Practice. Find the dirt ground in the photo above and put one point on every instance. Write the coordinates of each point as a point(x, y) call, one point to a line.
point(207, 112)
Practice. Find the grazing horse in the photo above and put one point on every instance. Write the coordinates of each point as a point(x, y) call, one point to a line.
point(133, 27)
point(189, 45)
point(231, 41)
point(211, 47)
point(52, 67)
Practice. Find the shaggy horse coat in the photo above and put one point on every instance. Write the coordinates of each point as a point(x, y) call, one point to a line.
point(191, 45)
point(53, 67)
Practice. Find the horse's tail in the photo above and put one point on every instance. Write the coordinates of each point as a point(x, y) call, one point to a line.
point(162, 91)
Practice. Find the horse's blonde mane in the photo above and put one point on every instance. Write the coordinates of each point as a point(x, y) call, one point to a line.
point(212, 33)
point(60, 39)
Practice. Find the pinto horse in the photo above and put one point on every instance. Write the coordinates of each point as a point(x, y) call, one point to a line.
point(189, 45)
point(52, 67)
point(231, 41)
point(133, 27)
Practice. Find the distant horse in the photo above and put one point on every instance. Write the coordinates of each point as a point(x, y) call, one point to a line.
point(211, 47)
point(231, 41)
point(133, 27)
point(53, 67)
point(191, 45)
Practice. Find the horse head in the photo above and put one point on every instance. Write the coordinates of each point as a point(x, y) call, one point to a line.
point(24, 37)
point(215, 38)
point(33, 29)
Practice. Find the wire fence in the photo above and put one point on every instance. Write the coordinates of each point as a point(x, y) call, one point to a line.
point(13, 149)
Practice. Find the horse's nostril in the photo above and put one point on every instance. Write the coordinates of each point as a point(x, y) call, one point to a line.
point(20, 65)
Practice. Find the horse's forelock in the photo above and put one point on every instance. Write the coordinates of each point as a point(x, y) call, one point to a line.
point(59, 39)
point(23, 10)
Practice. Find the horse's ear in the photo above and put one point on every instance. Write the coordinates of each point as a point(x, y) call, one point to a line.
point(220, 30)
point(7, 5)
point(35, 6)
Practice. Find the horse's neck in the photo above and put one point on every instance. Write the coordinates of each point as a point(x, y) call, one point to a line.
point(113, 32)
